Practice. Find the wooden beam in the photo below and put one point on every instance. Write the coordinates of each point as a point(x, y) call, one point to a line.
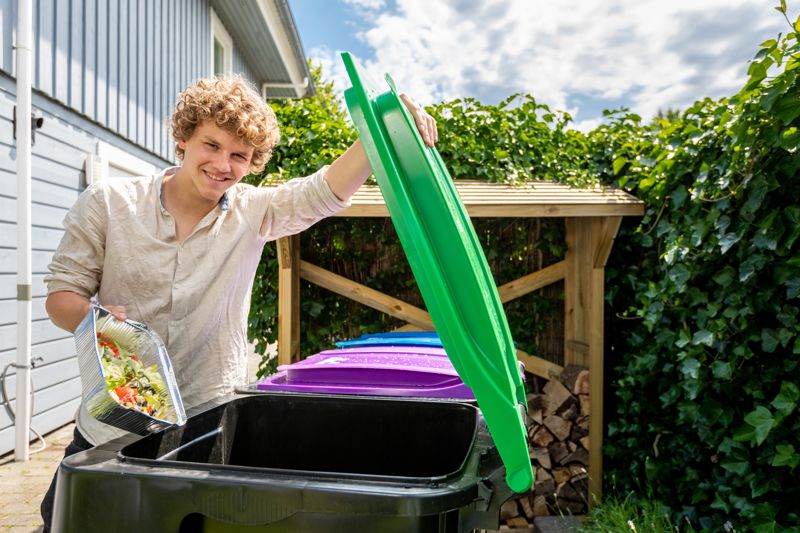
point(364, 295)
point(538, 366)
point(531, 282)
point(409, 327)
point(288, 299)
point(529, 199)
point(496, 210)
point(608, 231)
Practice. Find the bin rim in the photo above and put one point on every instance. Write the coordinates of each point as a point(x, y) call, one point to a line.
point(316, 475)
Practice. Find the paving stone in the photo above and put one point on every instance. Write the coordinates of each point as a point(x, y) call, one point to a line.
point(22, 485)
point(23, 529)
point(28, 520)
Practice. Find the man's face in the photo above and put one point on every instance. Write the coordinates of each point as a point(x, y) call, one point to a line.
point(215, 160)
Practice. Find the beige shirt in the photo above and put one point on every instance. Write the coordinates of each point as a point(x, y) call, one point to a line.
point(120, 245)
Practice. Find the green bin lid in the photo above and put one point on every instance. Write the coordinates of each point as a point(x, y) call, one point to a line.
point(447, 261)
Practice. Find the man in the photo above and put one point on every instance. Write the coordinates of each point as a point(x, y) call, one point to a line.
point(178, 251)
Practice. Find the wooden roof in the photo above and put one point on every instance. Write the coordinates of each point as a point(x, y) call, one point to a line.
point(530, 199)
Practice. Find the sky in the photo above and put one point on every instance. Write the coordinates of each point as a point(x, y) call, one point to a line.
point(581, 56)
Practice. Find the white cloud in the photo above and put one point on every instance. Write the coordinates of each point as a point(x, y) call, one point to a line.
point(646, 54)
point(370, 5)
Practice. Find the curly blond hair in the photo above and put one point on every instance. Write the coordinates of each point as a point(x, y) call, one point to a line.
point(234, 104)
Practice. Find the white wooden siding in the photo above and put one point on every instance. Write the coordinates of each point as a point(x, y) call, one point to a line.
point(119, 62)
point(105, 70)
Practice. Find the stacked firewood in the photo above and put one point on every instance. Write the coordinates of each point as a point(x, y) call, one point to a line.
point(558, 441)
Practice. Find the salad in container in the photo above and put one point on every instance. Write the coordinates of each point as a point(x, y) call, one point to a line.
point(126, 374)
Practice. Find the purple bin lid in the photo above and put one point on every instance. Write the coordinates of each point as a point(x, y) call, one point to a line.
point(414, 371)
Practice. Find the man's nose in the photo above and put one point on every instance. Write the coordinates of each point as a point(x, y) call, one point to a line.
point(223, 163)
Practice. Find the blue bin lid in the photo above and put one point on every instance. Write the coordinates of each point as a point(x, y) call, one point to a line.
point(394, 338)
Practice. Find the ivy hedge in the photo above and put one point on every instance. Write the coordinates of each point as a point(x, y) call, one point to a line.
point(703, 292)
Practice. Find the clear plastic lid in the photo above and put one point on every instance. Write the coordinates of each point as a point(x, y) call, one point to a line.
point(126, 363)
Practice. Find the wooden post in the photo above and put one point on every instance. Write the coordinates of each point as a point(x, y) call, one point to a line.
point(589, 242)
point(288, 299)
point(577, 291)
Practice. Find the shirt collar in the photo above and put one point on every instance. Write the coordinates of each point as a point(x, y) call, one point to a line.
point(224, 202)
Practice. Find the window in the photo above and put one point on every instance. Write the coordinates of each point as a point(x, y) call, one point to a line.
point(221, 47)
point(111, 162)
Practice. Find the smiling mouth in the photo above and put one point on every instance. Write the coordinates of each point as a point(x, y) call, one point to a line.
point(216, 178)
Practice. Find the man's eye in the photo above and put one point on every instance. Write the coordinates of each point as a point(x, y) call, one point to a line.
point(211, 145)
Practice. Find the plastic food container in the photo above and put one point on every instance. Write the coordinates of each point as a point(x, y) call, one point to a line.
point(149, 348)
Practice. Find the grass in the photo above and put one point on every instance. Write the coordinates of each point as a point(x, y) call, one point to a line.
point(620, 515)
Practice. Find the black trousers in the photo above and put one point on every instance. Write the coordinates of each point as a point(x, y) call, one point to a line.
point(78, 444)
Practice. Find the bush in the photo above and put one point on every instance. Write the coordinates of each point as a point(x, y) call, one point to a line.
point(706, 377)
point(702, 292)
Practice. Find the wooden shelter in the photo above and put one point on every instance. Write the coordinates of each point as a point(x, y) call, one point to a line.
point(592, 219)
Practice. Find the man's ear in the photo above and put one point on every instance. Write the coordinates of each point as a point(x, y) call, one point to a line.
point(182, 144)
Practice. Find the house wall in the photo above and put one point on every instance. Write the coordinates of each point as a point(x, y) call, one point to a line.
point(120, 63)
point(105, 70)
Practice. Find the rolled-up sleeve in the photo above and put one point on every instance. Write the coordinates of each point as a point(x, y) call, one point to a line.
point(77, 264)
point(296, 205)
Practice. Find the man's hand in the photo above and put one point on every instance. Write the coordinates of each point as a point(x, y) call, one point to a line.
point(118, 311)
point(351, 169)
point(66, 309)
point(426, 124)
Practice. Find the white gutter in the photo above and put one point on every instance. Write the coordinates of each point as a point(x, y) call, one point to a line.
point(299, 88)
point(273, 20)
point(23, 56)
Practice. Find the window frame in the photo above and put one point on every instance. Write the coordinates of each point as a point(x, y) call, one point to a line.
point(221, 35)
point(98, 165)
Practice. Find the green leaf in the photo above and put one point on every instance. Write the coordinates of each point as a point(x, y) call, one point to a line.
point(619, 163)
point(703, 337)
point(786, 400)
point(737, 463)
point(764, 519)
point(786, 108)
point(721, 369)
point(769, 340)
point(792, 216)
point(691, 368)
point(315, 309)
point(792, 288)
point(761, 485)
point(683, 338)
point(679, 274)
point(728, 240)
point(725, 276)
point(744, 433)
point(786, 456)
point(679, 196)
point(757, 72)
point(750, 266)
point(761, 421)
